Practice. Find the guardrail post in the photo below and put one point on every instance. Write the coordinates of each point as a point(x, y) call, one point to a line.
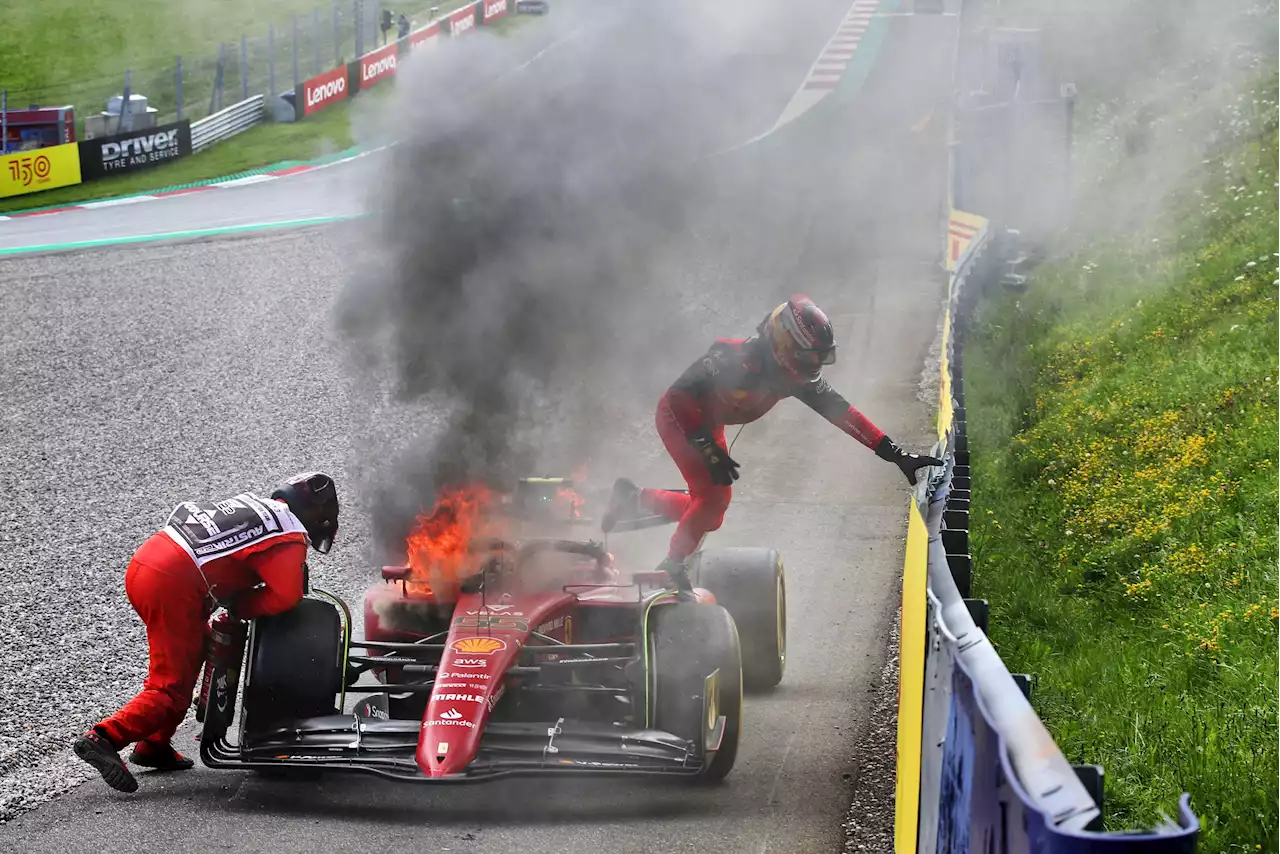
point(177, 85)
point(980, 610)
point(295, 57)
point(1094, 780)
point(271, 60)
point(961, 566)
point(1024, 682)
point(244, 68)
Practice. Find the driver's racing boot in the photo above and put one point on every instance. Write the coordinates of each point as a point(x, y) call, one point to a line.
point(679, 574)
point(102, 755)
point(624, 504)
point(161, 758)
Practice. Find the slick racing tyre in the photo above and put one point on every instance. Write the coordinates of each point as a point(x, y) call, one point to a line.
point(295, 665)
point(751, 585)
point(695, 673)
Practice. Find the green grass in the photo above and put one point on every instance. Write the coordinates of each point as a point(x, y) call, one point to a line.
point(67, 52)
point(327, 132)
point(1123, 421)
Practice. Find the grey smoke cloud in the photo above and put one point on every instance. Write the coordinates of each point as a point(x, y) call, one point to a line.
point(521, 290)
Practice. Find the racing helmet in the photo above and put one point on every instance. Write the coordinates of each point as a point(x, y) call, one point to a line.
point(313, 498)
point(800, 337)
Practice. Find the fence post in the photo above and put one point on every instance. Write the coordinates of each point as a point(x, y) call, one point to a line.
point(271, 62)
point(337, 35)
point(215, 97)
point(4, 121)
point(126, 115)
point(359, 24)
point(178, 85)
point(315, 40)
point(295, 57)
point(244, 68)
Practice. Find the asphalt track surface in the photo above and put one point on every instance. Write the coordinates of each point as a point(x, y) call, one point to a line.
point(150, 373)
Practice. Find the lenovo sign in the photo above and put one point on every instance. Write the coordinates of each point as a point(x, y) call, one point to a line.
point(424, 36)
point(378, 65)
point(131, 152)
point(463, 20)
point(494, 9)
point(323, 90)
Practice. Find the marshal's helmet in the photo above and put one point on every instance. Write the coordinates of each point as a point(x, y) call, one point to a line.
point(313, 498)
point(800, 337)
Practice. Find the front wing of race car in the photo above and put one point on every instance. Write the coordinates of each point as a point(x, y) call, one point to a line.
point(386, 748)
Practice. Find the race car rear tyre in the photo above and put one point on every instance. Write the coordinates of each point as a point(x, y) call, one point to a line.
point(751, 585)
point(688, 643)
point(295, 669)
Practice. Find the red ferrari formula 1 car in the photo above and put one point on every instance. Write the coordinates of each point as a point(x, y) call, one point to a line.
point(542, 657)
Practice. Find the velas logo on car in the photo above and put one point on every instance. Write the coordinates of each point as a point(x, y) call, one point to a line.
point(477, 646)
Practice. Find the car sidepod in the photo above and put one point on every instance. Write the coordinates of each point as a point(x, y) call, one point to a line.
point(694, 680)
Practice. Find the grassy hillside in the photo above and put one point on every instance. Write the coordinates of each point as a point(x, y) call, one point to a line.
point(1123, 418)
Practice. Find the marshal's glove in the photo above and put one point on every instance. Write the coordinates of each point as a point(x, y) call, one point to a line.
point(724, 471)
point(887, 450)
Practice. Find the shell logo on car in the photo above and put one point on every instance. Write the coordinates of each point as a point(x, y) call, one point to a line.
point(478, 646)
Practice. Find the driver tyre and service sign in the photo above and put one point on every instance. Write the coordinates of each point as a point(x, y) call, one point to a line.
point(134, 151)
point(324, 90)
point(42, 169)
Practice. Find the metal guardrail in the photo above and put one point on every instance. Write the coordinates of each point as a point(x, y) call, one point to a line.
point(228, 122)
point(991, 775)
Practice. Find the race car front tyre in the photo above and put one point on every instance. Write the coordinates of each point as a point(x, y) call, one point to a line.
point(751, 585)
point(295, 665)
point(695, 678)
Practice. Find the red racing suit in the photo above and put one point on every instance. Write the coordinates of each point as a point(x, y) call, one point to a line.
point(736, 382)
point(207, 552)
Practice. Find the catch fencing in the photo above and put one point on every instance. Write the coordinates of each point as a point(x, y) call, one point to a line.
point(270, 60)
point(977, 769)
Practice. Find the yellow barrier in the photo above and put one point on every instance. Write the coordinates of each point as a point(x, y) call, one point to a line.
point(911, 640)
point(42, 169)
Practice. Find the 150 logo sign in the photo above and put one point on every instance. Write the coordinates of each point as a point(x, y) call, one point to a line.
point(44, 169)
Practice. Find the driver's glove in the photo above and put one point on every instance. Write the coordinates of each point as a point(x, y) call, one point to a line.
point(724, 471)
point(908, 463)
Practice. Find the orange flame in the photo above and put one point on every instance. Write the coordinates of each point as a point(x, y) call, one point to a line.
point(574, 500)
point(438, 545)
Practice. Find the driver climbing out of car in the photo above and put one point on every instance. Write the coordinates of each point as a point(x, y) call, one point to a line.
point(246, 554)
point(736, 382)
